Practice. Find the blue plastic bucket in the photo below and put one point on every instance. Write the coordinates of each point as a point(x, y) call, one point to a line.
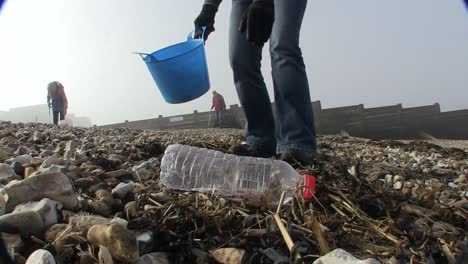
point(180, 71)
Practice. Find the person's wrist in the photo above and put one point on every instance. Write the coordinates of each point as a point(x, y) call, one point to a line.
point(209, 10)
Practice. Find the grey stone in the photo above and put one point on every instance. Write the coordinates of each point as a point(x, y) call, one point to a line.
point(41, 256)
point(23, 150)
point(25, 223)
point(121, 190)
point(46, 208)
point(143, 171)
point(6, 171)
point(4, 154)
point(154, 258)
point(23, 159)
point(55, 168)
point(145, 242)
point(52, 160)
point(340, 256)
point(55, 186)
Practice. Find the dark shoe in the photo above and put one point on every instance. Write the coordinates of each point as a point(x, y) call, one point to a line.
point(293, 155)
point(250, 151)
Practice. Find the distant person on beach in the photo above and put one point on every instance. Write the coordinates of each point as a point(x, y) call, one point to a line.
point(254, 22)
point(57, 100)
point(219, 106)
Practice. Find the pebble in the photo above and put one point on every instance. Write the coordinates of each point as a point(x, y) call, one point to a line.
point(41, 256)
point(25, 223)
point(104, 256)
point(145, 242)
point(28, 171)
point(4, 154)
point(121, 243)
point(397, 185)
point(6, 171)
point(154, 258)
point(121, 190)
point(117, 173)
point(46, 208)
point(23, 159)
point(55, 186)
point(229, 255)
point(389, 178)
point(340, 256)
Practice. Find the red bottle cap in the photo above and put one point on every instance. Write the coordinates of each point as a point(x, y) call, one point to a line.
point(309, 189)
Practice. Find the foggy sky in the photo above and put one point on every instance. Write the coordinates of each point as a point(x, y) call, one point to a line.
point(375, 52)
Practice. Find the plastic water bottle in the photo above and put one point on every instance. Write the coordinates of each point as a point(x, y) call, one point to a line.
point(197, 169)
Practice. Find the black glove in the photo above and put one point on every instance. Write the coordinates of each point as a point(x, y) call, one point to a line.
point(257, 21)
point(205, 19)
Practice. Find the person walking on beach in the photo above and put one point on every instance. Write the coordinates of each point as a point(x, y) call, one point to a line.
point(57, 100)
point(219, 106)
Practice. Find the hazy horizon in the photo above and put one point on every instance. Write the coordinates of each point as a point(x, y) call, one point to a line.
point(357, 52)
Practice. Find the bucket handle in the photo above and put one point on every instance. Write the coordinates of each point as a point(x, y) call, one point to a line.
point(153, 59)
point(190, 38)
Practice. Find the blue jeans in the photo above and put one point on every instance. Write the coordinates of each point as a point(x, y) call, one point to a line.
point(219, 118)
point(294, 126)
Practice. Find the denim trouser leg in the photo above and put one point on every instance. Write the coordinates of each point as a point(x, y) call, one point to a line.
point(219, 118)
point(245, 61)
point(293, 108)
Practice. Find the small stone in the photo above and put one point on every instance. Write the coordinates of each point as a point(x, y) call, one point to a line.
point(154, 258)
point(340, 256)
point(41, 256)
point(145, 242)
point(116, 157)
point(7, 140)
point(54, 168)
point(453, 185)
point(117, 173)
point(46, 153)
point(461, 179)
point(229, 255)
point(23, 159)
point(121, 243)
point(99, 208)
point(121, 190)
point(397, 185)
point(55, 186)
point(23, 150)
point(36, 161)
point(38, 137)
point(120, 221)
point(105, 197)
point(408, 184)
point(46, 208)
point(86, 182)
point(28, 171)
point(4, 154)
point(397, 178)
point(6, 171)
point(389, 178)
point(26, 223)
point(52, 160)
point(13, 241)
